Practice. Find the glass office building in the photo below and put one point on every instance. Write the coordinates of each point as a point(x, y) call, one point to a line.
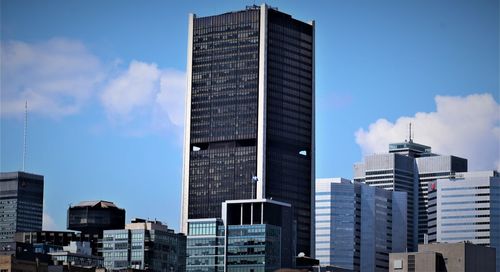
point(409, 167)
point(466, 208)
point(254, 235)
point(357, 225)
point(21, 206)
point(205, 245)
point(250, 113)
point(145, 245)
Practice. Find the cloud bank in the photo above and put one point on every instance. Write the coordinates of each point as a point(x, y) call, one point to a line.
point(60, 76)
point(56, 77)
point(468, 127)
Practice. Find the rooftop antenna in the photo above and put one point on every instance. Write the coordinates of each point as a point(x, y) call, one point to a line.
point(409, 132)
point(25, 132)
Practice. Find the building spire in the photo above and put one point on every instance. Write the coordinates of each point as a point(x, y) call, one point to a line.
point(409, 132)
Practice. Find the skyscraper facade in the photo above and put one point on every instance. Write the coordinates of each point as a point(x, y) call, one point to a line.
point(21, 205)
point(358, 225)
point(409, 167)
point(466, 208)
point(250, 114)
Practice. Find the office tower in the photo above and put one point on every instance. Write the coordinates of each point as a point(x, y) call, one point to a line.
point(145, 245)
point(463, 257)
point(358, 225)
point(21, 206)
point(253, 235)
point(466, 208)
point(409, 167)
point(92, 218)
point(250, 114)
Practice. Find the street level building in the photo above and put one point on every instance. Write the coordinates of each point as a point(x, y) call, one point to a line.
point(409, 167)
point(444, 257)
point(250, 114)
point(144, 245)
point(76, 254)
point(358, 225)
point(466, 208)
point(21, 206)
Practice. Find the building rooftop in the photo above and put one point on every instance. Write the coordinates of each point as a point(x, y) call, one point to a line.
point(96, 203)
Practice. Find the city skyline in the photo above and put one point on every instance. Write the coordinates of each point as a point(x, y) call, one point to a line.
point(106, 145)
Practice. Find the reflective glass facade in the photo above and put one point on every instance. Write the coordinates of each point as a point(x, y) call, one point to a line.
point(251, 86)
point(224, 95)
point(466, 208)
point(145, 245)
point(205, 246)
point(290, 118)
point(253, 248)
point(21, 204)
point(357, 225)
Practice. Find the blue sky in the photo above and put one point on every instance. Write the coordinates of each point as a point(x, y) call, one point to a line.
point(105, 84)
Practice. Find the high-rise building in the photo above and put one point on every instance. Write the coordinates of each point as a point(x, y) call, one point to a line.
point(409, 167)
point(466, 208)
point(21, 205)
point(250, 114)
point(358, 225)
point(145, 245)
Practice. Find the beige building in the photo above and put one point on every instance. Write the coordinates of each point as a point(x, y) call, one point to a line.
point(12, 264)
point(442, 257)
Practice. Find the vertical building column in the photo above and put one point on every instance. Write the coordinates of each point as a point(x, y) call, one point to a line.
point(261, 119)
point(187, 129)
point(313, 144)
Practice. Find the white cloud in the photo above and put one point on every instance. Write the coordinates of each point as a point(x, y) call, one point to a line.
point(48, 222)
point(132, 89)
point(146, 90)
point(468, 127)
point(56, 77)
point(170, 99)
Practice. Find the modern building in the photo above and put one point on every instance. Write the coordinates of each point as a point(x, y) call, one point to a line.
point(205, 250)
point(444, 257)
point(253, 235)
point(77, 254)
point(50, 239)
point(95, 216)
point(409, 167)
point(144, 245)
point(358, 225)
point(91, 218)
point(250, 114)
point(466, 208)
point(21, 205)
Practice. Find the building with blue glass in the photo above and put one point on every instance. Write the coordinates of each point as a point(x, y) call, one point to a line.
point(466, 208)
point(409, 167)
point(358, 225)
point(254, 235)
point(145, 245)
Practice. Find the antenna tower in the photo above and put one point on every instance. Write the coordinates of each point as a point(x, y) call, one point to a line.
point(25, 132)
point(409, 132)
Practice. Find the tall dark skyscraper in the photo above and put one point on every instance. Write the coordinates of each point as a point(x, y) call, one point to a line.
point(250, 113)
point(21, 205)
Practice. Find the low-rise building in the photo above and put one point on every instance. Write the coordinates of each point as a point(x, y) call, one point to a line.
point(145, 245)
point(444, 257)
